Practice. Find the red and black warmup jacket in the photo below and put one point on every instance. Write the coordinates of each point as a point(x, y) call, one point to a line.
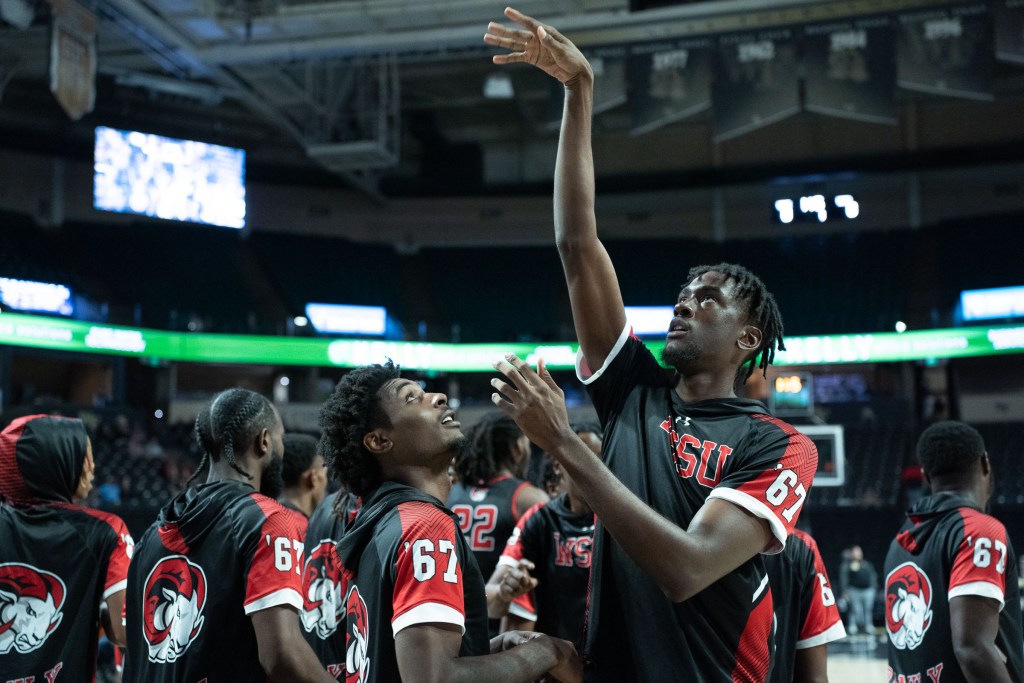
point(947, 548)
point(58, 561)
point(408, 564)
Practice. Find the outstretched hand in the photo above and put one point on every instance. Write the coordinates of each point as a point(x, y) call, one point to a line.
point(533, 400)
point(539, 45)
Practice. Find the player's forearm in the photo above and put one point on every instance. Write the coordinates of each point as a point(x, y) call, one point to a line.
point(526, 662)
point(672, 557)
point(982, 663)
point(295, 664)
point(575, 221)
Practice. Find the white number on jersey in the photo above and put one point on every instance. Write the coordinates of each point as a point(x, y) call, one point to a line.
point(828, 598)
point(424, 566)
point(779, 491)
point(287, 553)
point(983, 554)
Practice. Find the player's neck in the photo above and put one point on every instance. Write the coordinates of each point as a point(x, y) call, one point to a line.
point(970, 490)
point(222, 471)
point(425, 479)
point(703, 386)
point(577, 504)
point(298, 499)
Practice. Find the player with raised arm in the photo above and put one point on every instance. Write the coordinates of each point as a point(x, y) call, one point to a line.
point(696, 482)
point(805, 612)
point(214, 585)
point(59, 562)
point(415, 606)
point(951, 596)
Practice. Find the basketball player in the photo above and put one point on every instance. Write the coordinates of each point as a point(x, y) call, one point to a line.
point(492, 494)
point(557, 539)
point(214, 586)
point(805, 611)
point(324, 583)
point(696, 482)
point(951, 593)
point(58, 561)
point(304, 475)
point(415, 599)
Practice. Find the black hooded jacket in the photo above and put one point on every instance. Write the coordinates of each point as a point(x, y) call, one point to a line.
point(58, 561)
point(408, 563)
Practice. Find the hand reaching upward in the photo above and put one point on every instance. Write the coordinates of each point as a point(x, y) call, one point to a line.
point(539, 45)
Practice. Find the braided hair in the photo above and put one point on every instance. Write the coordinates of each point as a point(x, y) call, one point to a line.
point(762, 310)
point(354, 409)
point(230, 422)
point(491, 441)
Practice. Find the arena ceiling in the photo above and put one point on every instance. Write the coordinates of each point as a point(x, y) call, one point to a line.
point(388, 95)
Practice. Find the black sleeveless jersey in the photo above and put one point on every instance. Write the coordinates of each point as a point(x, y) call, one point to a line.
point(559, 542)
point(323, 580)
point(676, 456)
point(487, 516)
point(945, 549)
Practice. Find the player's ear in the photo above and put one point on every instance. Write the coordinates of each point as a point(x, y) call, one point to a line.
point(377, 441)
point(749, 338)
point(263, 443)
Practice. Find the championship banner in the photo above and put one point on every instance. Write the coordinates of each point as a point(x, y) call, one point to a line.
point(946, 52)
point(1008, 18)
point(756, 81)
point(851, 70)
point(73, 58)
point(668, 81)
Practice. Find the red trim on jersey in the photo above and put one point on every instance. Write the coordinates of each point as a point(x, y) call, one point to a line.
point(514, 548)
point(801, 457)
point(820, 617)
point(984, 543)
point(419, 580)
point(301, 520)
point(171, 538)
point(515, 499)
point(117, 563)
point(276, 566)
point(753, 651)
point(12, 483)
point(494, 480)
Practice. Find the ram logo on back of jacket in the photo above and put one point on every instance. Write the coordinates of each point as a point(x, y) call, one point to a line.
point(30, 606)
point(173, 614)
point(908, 605)
point(323, 591)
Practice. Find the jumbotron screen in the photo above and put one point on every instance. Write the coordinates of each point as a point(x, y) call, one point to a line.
point(182, 180)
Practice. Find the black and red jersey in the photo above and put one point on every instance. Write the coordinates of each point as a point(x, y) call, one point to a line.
point(58, 563)
point(301, 520)
point(217, 554)
point(947, 548)
point(323, 580)
point(408, 565)
point(487, 515)
point(675, 456)
point(805, 606)
point(560, 544)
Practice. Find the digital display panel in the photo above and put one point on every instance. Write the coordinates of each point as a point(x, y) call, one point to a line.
point(181, 180)
point(28, 295)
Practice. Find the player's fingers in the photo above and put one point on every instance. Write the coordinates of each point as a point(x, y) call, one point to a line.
point(526, 564)
point(504, 390)
point(514, 374)
point(521, 19)
point(523, 368)
point(545, 375)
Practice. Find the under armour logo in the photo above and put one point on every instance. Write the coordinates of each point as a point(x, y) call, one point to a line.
point(684, 420)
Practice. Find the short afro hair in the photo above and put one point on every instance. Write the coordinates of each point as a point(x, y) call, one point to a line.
point(352, 411)
point(299, 454)
point(949, 449)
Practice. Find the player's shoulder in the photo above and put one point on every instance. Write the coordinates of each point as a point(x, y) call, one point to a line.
point(978, 523)
point(421, 514)
point(804, 538)
point(96, 518)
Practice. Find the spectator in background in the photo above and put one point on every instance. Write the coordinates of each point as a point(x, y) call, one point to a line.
point(305, 478)
point(858, 582)
point(492, 493)
point(58, 562)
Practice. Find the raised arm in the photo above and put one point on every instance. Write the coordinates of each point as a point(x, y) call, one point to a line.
point(429, 653)
point(597, 308)
point(721, 536)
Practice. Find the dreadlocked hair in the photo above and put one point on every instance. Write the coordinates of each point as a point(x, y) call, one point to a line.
point(353, 410)
point(229, 423)
point(762, 310)
point(489, 448)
